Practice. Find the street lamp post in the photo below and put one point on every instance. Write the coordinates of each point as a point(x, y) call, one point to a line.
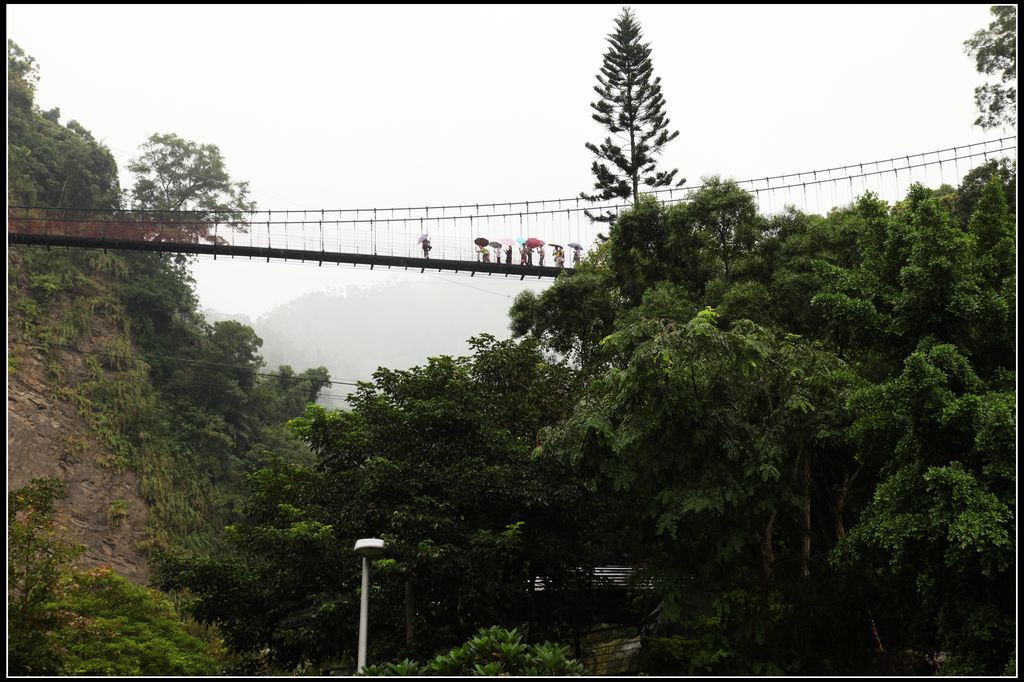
point(366, 548)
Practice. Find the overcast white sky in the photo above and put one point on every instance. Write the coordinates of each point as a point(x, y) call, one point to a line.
point(344, 106)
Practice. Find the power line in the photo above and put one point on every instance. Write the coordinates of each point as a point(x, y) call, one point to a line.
point(187, 361)
point(196, 382)
point(464, 284)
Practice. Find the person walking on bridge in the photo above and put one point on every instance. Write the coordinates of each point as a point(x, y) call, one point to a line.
point(508, 255)
point(426, 248)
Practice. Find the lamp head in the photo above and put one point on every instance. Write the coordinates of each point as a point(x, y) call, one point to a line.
point(369, 547)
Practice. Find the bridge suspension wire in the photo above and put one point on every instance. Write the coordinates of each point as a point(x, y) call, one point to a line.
point(802, 184)
point(453, 231)
point(671, 190)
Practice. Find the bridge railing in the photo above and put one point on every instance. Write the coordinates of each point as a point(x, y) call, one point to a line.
point(260, 230)
point(184, 227)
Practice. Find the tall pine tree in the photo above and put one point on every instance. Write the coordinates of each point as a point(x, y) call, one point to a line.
point(631, 108)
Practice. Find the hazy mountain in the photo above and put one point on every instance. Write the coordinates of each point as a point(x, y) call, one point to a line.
point(398, 325)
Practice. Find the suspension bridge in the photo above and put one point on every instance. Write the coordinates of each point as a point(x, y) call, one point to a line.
point(518, 237)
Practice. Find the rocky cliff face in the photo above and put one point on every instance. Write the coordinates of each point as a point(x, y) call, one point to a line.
point(47, 437)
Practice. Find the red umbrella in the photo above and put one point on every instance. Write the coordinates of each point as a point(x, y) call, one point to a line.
point(533, 243)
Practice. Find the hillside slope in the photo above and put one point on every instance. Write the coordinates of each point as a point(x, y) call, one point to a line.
point(48, 437)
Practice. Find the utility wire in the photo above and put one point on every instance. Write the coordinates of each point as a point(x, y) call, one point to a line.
point(187, 361)
point(464, 284)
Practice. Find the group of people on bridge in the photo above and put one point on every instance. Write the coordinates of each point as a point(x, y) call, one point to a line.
point(526, 255)
point(526, 251)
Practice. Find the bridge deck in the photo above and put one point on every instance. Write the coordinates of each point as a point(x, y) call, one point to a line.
point(240, 251)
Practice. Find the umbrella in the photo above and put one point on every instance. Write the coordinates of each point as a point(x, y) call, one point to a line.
point(481, 241)
point(556, 246)
point(574, 245)
point(520, 240)
point(496, 245)
point(533, 243)
point(423, 238)
point(507, 241)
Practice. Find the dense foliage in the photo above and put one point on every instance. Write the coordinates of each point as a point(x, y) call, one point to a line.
point(995, 52)
point(491, 652)
point(817, 414)
point(799, 430)
point(436, 461)
point(803, 425)
point(174, 174)
point(179, 401)
point(73, 622)
point(50, 164)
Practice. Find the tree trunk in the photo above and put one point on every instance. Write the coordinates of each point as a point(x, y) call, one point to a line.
point(632, 164)
point(410, 606)
point(805, 552)
point(841, 493)
point(767, 554)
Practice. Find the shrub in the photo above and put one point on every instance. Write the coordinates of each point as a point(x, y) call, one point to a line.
point(492, 651)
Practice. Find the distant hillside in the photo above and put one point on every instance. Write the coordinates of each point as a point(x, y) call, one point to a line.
point(355, 331)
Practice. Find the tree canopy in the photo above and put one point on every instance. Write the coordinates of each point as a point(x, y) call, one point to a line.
point(177, 174)
point(66, 621)
point(436, 461)
point(802, 404)
point(995, 52)
point(50, 164)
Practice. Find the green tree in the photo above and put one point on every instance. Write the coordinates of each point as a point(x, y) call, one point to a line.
point(729, 442)
point(38, 555)
point(492, 651)
point(995, 52)
point(435, 460)
point(65, 621)
point(574, 314)
point(922, 275)
point(967, 195)
point(125, 629)
point(728, 216)
point(50, 164)
point(938, 533)
point(180, 175)
point(631, 109)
